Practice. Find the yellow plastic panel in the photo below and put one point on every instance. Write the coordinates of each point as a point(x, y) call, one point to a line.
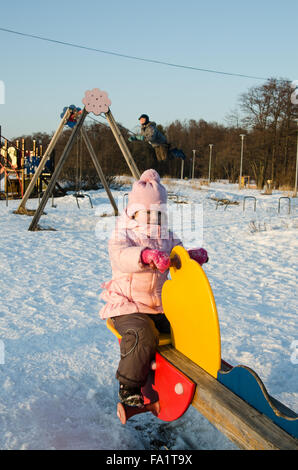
point(111, 327)
point(189, 305)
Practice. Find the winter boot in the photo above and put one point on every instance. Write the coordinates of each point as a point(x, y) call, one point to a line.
point(131, 396)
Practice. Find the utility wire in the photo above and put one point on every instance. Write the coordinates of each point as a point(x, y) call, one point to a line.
point(126, 56)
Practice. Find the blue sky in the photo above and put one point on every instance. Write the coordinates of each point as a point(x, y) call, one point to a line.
point(252, 37)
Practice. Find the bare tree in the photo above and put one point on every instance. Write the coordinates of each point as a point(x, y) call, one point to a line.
point(268, 117)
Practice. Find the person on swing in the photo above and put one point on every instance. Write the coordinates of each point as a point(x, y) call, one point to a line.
point(151, 134)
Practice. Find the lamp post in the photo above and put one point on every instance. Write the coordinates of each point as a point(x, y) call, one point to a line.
point(210, 157)
point(241, 159)
point(296, 175)
point(182, 169)
point(193, 163)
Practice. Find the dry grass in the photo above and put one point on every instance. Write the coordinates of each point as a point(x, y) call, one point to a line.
point(196, 185)
point(104, 214)
point(123, 180)
point(167, 180)
point(285, 188)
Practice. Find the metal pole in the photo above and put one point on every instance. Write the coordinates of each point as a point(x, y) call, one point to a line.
point(22, 207)
point(7, 180)
point(193, 163)
point(23, 164)
point(98, 169)
point(210, 157)
point(182, 169)
point(122, 144)
point(295, 190)
point(241, 159)
point(33, 226)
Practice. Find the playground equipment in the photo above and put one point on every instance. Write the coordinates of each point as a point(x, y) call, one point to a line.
point(73, 116)
point(10, 183)
point(18, 165)
point(244, 182)
point(97, 102)
point(224, 202)
point(22, 207)
point(254, 200)
point(289, 203)
point(268, 188)
point(189, 370)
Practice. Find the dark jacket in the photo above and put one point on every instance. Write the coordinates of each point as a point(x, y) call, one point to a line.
point(152, 135)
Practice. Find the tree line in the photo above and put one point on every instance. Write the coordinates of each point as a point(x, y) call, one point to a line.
point(265, 115)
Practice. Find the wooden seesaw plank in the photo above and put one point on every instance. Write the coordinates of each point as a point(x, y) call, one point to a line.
point(245, 383)
point(241, 423)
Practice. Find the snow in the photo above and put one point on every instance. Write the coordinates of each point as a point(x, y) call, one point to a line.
point(57, 358)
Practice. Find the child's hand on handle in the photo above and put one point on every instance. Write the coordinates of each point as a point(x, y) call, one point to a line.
point(200, 255)
point(156, 259)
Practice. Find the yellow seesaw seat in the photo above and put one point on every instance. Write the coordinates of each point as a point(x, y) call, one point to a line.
point(189, 305)
point(163, 337)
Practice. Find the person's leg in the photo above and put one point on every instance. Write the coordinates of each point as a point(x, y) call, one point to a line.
point(137, 348)
point(161, 152)
point(158, 154)
point(161, 323)
point(176, 153)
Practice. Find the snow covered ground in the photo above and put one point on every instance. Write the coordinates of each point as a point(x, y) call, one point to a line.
point(58, 360)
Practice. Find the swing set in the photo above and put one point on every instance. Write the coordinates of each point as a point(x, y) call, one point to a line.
point(96, 102)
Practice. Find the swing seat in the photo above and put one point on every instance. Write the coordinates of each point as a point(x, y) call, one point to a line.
point(164, 338)
point(81, 196)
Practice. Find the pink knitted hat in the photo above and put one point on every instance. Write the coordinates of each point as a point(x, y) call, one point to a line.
point(147, 194)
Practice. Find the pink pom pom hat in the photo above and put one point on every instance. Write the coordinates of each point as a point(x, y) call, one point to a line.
point(147, 194)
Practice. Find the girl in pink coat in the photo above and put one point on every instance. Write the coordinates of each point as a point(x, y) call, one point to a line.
point(139, 251)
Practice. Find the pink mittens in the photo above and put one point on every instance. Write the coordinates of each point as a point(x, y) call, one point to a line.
point(200, 255)
point(161, 261)
point(156, 258)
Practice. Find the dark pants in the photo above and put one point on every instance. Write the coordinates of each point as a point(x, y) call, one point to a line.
point(161, 152)
point(140, 333)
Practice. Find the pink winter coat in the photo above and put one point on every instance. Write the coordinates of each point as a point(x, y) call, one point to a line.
point(135, 287)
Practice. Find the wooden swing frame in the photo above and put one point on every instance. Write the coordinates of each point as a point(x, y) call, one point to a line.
point(78, 128)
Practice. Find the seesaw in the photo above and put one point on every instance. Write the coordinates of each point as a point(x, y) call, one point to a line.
point(188, 370)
